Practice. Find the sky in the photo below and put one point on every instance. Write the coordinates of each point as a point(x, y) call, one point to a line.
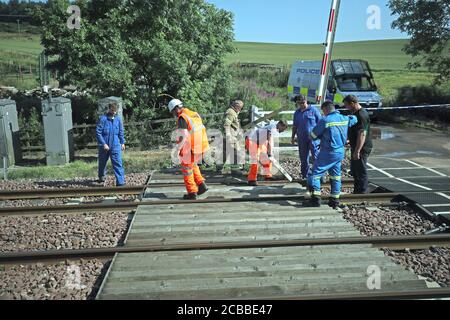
point(305, 21)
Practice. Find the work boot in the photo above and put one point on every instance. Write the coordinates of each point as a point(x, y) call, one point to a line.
point(314, 202)
point(202, 189)
point(253, 183)
point(333, 203)
point(101, 180)
point(190, 196)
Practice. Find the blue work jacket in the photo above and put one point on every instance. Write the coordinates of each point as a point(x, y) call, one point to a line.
point(110, 131)
point(332, 131)
point(306, 121)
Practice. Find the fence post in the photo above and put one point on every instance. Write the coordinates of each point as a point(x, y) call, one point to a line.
point(5, 168)
point(255, 114)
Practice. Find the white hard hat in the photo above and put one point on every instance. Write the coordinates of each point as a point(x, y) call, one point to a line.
point(174, 103)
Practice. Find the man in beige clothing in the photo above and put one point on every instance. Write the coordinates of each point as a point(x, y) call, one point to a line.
point(233, 134)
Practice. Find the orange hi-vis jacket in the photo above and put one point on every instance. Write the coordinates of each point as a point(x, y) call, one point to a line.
point(197, 139)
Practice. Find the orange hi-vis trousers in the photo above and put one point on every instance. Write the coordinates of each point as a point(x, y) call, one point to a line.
point(258, 154)
point(191, 173)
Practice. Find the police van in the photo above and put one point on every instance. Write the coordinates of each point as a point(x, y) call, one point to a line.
point(346, 77)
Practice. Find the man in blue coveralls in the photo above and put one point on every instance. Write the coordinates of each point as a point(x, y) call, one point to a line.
point(305, 120)
point(332, 131)
point(111, 143)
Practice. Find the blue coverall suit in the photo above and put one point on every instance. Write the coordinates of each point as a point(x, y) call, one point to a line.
point(332, 131)
point(110, 131)
point(305, 121)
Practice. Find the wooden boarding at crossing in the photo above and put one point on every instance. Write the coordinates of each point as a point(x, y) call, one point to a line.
point(244, 273)
point(225, 192)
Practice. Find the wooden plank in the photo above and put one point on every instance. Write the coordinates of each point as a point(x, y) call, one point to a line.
point(253, 291)
point(280, 278)
point(307, 271)
point(189, 262)
point(267, 237)
point(148, 222)
point(257, 253)
point(222, 231)
point(239, 226)
point(289, 285)
point(238, 209)
point(217, 194)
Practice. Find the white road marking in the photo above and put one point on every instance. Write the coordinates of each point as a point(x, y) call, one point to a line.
point(431, 170)
point(407, 168)
point(443, 195)
point(399, 179)
point(443, 212)
point(381, 171)
point(437, 205)
point(414, 184)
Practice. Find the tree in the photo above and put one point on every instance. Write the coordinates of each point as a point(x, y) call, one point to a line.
point(142, 49)
point(427, 22)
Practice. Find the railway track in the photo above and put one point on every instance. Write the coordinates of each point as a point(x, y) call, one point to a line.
point(67, 193)
point(387, 242)
point(106, 254)
point(130, 206)
point(107, 191)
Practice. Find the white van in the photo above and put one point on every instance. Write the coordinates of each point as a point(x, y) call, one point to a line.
point(346, 77)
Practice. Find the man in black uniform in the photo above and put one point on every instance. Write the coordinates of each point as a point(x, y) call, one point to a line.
point(360, 143)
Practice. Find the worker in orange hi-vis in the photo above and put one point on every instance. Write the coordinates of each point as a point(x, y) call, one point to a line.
point(259, 143)
point(192, 144)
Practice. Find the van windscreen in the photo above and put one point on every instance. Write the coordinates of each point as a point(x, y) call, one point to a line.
point(355, 83)
point(351, 67)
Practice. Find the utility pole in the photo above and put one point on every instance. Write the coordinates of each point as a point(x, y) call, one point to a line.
point(331, 32)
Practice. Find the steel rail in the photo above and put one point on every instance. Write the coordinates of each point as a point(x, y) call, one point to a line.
point(69, 192)
point(395, 242)
point(435, 293)
point(129, 206)
point(132, 190)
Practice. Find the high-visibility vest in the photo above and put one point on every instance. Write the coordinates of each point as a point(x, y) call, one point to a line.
point(197, 131)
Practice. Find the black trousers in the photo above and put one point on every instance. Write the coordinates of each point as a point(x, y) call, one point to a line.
point(359, 171)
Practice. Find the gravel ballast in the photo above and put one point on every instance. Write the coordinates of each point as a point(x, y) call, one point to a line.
point(387, 220)
point(292, 166)
point(432, 264)
point(133, 179)
point(54, 232)
point(63, 281)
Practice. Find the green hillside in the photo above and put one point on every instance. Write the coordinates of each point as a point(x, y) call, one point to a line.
point(385, 57)
point(381, 54)
point(19, 48)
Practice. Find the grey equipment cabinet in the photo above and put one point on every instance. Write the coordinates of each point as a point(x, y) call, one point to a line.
point(9, 133)
point(58, 130)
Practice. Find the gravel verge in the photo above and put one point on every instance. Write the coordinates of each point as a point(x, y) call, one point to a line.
point(54, 232)
point(133, 179)
point(433, 263)
point(387, 220)
point(292, 166)
point(53, 282)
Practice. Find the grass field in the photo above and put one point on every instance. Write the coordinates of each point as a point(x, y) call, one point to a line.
point(134, 162)
point(381, 55)
point(386, 58)
point(23, 48)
